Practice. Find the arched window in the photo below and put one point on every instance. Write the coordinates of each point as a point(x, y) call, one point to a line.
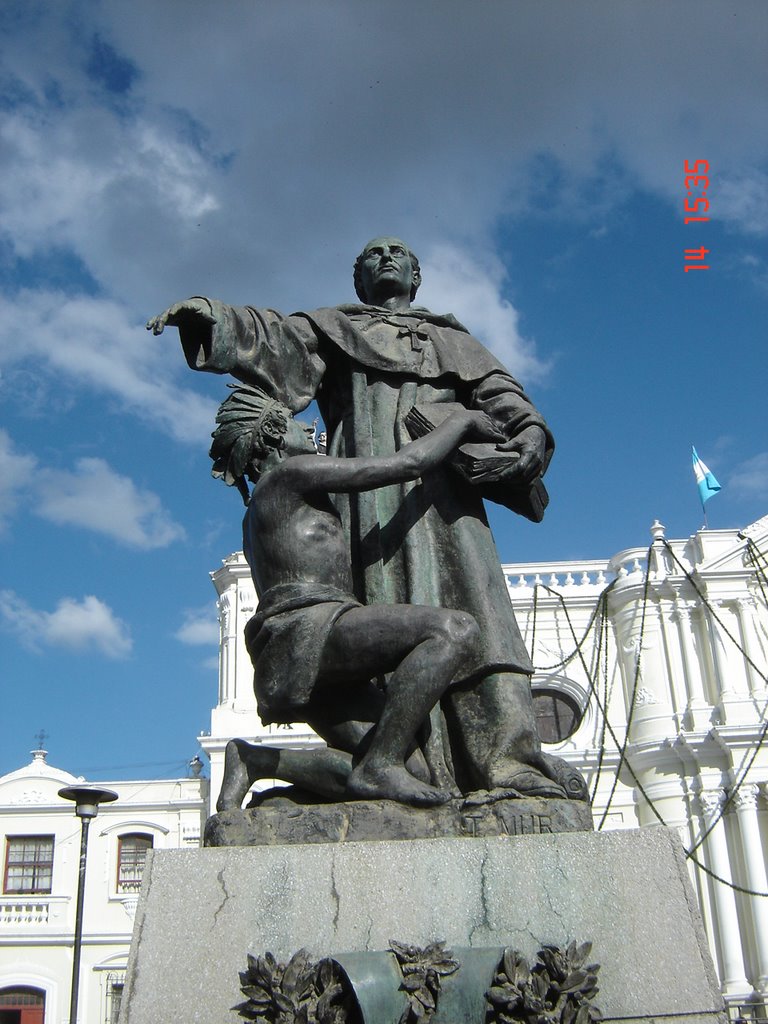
point(22, 1005)
point(131, 857)
point(558, 716)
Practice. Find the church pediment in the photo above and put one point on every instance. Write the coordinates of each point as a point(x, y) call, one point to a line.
point(726, 551)
point(37, 783)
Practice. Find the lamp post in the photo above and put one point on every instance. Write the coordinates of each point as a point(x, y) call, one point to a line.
point(86, 800)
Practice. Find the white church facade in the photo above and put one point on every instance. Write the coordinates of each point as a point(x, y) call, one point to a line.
point(652, 678)
point(40, 837)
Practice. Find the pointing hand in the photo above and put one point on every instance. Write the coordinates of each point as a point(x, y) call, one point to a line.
point(182, 312)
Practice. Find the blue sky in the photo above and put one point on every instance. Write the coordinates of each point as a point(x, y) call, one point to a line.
point(531, 154)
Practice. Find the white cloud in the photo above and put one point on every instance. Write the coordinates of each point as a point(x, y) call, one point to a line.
point(241, 157)
point(76, 625)
point(750, 478)
point(200, 627)
point(92, 342)
point(471, 290)
point(16, 473)
point(743, 200)
point(92, 496)
point(69, 172)
point(97, 498)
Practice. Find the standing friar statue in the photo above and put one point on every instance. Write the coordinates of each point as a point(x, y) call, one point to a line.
point(384, 372)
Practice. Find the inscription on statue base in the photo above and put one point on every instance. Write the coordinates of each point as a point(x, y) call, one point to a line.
point(516, 824)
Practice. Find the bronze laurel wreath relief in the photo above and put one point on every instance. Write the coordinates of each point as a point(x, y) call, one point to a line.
point(557, 989)
point(299, 992)
point(422, 970)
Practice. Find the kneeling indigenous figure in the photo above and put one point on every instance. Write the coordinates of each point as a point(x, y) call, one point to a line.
point(316, 650)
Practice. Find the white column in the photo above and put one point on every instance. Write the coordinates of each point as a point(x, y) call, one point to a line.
point(698, 708)
point(745, 802)
point(736, 705)
point(675, 669)
point(724, 681)
point(243, 684)
point(747, 608)
point(227, 618)
point(733, 979)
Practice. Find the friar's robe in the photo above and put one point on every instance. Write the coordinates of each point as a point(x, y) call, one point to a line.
point(423, 542)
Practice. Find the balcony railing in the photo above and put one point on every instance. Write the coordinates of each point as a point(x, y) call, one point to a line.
point(30, 911)
point(586, 576)
point(128, 886)
point(748, 1013)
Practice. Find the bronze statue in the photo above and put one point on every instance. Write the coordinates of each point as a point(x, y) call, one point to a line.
point(420, 541)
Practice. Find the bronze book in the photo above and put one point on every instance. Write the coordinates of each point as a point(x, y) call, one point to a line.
point(480, 464)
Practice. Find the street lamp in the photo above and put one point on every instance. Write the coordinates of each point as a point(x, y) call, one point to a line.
point(86, 800)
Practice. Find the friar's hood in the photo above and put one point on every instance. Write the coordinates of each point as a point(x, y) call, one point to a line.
point(451, 351)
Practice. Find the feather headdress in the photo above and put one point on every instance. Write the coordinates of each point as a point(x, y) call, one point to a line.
point(249, 424)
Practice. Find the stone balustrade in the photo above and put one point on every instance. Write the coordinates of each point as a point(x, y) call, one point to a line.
point(32, 911)
point(587, 576)
point(630, 562)
point(23, 911)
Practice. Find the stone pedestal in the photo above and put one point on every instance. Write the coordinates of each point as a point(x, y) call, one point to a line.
point(202, 911)
point(283, 820)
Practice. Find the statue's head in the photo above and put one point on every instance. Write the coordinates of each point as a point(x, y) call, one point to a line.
point(386, 264)
point(251, 426)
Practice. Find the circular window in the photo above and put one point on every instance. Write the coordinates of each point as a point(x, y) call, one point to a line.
point(558, 716)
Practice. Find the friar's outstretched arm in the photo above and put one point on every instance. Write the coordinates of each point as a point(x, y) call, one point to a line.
point(260, 347)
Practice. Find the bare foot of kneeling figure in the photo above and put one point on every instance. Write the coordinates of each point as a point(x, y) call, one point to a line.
point(243, 764)
point(392, 782)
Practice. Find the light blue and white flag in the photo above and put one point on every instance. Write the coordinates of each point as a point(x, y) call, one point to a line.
point(705, 480)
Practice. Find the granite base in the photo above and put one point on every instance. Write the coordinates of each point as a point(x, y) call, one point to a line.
point(202, 911)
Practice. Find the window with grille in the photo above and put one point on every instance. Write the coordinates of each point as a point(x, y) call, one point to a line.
point(131, 857)
point(115, 983)
point(28, 864)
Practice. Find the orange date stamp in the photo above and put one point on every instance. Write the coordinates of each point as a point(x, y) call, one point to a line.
point(696, 203)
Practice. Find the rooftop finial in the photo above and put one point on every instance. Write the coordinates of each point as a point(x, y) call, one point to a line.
point(657, 531)
point(40, 754)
